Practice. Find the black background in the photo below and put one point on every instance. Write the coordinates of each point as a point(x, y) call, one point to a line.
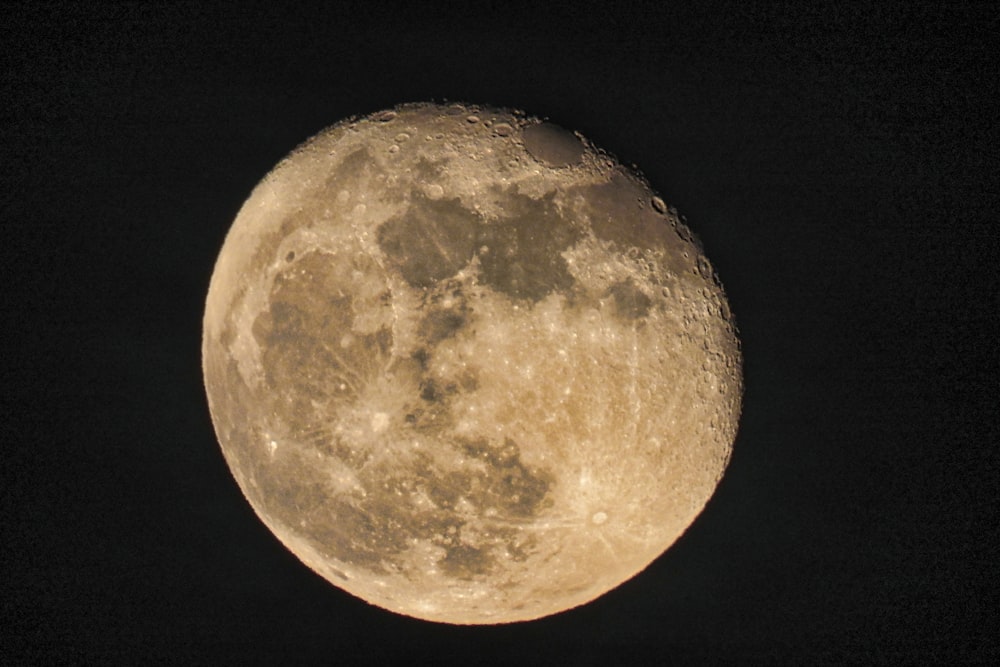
point(839, 165)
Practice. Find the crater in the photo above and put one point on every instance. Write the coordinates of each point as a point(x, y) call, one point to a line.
point(552, 145)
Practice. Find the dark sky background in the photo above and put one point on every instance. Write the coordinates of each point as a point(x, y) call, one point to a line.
point(839, 165)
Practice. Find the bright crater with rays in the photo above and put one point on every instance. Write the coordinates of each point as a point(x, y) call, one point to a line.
point(466, 366)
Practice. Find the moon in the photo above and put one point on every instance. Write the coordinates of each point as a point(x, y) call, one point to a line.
point(466, 366)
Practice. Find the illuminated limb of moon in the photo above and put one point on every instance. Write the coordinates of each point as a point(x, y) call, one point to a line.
point(466, 366)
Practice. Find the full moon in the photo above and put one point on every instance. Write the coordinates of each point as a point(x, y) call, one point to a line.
point(466, 366)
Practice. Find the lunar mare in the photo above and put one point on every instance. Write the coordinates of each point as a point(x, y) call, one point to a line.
point(466, 366)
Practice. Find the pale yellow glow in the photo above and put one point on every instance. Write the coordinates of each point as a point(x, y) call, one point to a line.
point(466, 366)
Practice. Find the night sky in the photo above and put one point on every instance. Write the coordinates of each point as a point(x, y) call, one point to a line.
point(840, 167)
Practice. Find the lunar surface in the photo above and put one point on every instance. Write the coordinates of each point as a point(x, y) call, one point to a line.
point(466, 366)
